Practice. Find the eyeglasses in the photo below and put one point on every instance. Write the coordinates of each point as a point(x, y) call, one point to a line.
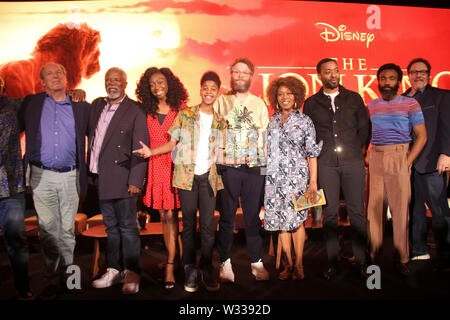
point(421, 72)
point(245, 73)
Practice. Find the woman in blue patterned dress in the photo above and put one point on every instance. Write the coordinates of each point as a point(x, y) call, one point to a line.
point(291, 169)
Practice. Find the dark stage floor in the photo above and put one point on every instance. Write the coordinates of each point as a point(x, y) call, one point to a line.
point(422, 284)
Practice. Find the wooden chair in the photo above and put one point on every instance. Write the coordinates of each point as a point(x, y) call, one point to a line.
point(80, 223)
point(97, 231)
point(95, 221)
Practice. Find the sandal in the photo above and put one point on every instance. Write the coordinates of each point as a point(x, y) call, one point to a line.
point(168, 285)
point(298, 273)
point(286, 274)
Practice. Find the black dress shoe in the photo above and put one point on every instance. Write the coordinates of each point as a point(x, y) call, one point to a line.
point(26, 295)
point(331, 273)
point(443, 266)
point(210, 279)
point(50, 292)
point(402, 268)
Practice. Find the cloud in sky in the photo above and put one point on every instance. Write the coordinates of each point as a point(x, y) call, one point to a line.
point(250, 8)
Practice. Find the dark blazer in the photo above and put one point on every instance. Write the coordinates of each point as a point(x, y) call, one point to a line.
point(347, 128)
point(118, 167)
point(435, 104)
point(29, 119)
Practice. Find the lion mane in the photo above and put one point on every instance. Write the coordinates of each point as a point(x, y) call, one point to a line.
point(76, 48)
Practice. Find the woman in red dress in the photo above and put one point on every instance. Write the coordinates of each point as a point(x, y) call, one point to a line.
point(161, 95)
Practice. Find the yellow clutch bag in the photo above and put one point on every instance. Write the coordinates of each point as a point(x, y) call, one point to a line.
point(301, 203)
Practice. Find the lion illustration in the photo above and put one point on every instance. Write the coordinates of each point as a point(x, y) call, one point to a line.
point(75, 48)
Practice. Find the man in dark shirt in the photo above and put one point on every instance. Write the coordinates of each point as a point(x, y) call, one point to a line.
point(341, 121)
point(431, 167)
point(12, 199)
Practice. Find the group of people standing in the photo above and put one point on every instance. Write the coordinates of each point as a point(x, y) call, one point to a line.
point(226, 148)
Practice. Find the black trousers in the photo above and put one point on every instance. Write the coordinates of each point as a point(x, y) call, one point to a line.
point(248, 183)
point(352, 179)
point(430, 188)
point(201, 197)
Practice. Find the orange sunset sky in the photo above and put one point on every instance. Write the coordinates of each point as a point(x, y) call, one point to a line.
point(191, 37)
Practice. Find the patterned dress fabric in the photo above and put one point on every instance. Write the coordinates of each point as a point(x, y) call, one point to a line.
point(160, 194)
point(289, 146)
point(246, 126)
point(186, 130)
point(11, 166)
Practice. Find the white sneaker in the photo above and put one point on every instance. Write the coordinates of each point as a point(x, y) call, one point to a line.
point(259, 271)
point(111, 277)
point(425, 256)
point(131, 285)
point(226, 271)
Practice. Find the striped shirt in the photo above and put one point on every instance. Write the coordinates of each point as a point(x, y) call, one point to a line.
point(392, 121)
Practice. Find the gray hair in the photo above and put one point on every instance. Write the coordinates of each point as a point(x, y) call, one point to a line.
point(124, 74)
point(41, 73)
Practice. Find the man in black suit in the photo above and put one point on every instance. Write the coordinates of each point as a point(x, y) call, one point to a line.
point(116, 126)
point(431, 167)
point(55, 129)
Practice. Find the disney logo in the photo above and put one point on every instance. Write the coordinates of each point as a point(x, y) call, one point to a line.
point(331, 33)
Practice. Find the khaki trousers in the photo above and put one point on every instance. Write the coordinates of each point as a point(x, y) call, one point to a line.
point(389, 179)
point(56, 198)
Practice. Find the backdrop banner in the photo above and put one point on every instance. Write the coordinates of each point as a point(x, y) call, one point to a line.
point(191, 37)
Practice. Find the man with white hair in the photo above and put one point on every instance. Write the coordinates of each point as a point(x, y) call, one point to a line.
point(116, 126)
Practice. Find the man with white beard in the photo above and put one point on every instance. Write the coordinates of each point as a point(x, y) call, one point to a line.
point(116, 126)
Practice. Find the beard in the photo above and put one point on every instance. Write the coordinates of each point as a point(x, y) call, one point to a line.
point(389, 94)
point(113, 95)
point(327, 84)
point(240, 87)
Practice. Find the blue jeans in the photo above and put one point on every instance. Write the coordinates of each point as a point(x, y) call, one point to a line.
point(13, 227)
point(430, 188)
point(124, 242)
